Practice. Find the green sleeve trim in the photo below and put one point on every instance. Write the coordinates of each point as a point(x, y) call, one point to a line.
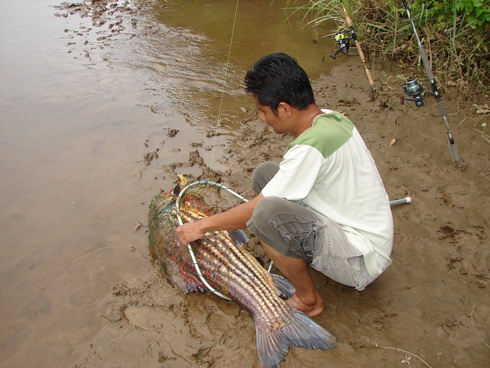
point(328, 133)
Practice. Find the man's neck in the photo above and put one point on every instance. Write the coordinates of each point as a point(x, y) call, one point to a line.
point(305, 118)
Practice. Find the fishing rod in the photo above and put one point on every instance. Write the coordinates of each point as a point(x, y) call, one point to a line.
point(344, 47)
point(414, 87)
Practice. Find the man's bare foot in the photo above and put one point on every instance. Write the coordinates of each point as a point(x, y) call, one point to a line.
point(311, 310)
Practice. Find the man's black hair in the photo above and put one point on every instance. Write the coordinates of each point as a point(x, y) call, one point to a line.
point(278, 78)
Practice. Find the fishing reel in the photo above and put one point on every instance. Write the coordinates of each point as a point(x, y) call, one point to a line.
point(343, 43)
point(415, 91)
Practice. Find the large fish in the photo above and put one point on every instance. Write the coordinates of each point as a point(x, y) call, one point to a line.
point(235, 273)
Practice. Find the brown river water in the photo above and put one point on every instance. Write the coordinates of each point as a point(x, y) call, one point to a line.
point(84, 96)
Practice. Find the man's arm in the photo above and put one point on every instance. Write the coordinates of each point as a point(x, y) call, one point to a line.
point(233, 219)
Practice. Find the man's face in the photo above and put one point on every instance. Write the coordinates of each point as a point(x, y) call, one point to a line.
point(273, 119)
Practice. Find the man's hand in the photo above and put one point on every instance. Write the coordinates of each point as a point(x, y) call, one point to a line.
point(233, 219)
point(189, 232)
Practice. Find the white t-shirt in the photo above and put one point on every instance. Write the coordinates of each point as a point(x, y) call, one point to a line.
point(329, 168)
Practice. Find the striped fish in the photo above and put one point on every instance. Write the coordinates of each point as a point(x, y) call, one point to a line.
point(235, 273)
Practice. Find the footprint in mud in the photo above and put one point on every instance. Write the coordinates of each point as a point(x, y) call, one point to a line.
point(139, 316)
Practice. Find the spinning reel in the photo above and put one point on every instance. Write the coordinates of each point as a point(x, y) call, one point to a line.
point(415, 91)
point(343, 43)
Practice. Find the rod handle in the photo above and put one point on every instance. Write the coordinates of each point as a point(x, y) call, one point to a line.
point(397, 202)
point(359, 49)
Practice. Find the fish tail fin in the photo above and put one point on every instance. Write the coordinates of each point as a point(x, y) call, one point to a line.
point(301, 331)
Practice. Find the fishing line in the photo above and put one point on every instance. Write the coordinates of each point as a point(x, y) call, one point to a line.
point(218, 122)
point(210, 183)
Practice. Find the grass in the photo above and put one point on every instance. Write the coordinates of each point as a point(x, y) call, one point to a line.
point(458, 50)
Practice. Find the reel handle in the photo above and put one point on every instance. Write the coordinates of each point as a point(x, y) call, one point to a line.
point(334, 56)
point(419, 102)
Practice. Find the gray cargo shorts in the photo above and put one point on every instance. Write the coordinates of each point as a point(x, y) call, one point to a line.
point(298, 231)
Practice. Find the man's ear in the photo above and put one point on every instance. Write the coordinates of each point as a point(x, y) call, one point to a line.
point(285, 108)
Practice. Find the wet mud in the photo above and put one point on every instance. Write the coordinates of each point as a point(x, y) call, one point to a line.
point(430, 308)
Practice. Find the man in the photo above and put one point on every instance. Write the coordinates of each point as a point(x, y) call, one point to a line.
point(324, 205)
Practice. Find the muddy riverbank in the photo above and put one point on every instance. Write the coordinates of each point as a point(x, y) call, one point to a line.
point(429, 309)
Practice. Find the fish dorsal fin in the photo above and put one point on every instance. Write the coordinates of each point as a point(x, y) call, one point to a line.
point(238, 236)
point(284, 287)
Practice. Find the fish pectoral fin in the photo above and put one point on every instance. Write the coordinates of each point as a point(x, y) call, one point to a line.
point(188, 283)
point(301, 331)
point(238, 236)
point(285, 288)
